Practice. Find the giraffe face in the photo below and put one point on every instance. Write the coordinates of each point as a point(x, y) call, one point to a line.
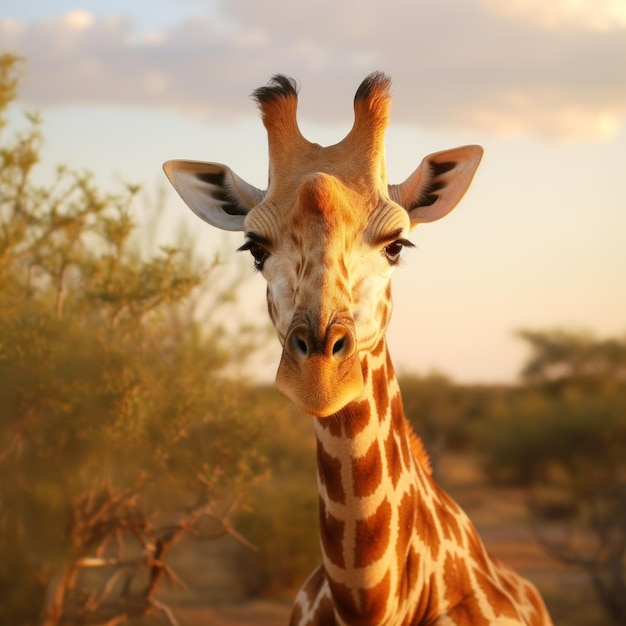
point(326, 234)
point(328, 260)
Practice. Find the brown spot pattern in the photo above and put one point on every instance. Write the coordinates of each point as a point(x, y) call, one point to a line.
point(396, 406)
point(374, 600)
point(499, 601)
point(465, 609)
point(426, 529)
point(425, 611)
point(507, 579)
point(388, 362)
point(325, 615)
point(450, 525)
point(344, 601)
point(296, 615)
point(381, 395)
point(476, 548)
point(533, 599)
point(332, 424)
point(365, 367)
point(406, 450)
point(367, 471)
point(409, 573)
point(356, 418)
point(394, 460)
point(331, 535)
point(329, 472)
point(378, 350)
point(447, 502)
point(406, 518)
point(314, 584)
point(372, 535)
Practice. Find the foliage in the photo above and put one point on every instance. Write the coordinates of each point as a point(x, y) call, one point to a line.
point(443, 412)
point(564, 435)
point(118, 432)
point(282, 517)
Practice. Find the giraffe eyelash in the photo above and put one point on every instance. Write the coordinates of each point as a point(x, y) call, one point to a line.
point(258, 252)
point(393, 250)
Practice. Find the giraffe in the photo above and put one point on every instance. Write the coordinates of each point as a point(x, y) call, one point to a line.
point(326, 235)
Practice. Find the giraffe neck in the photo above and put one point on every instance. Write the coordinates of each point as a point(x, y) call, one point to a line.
point(396, 548)
point(367, 479)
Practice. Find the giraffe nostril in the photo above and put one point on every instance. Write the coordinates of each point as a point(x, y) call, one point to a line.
point(298, 343)
point(339, 342)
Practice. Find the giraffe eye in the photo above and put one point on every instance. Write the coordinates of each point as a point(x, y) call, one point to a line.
point(394, 250)
point(258, 252)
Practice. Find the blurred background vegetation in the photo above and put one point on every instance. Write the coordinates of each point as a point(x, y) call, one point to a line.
point(138, 472)
point(118, 434)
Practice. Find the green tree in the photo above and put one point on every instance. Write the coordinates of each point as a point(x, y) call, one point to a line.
point(564, 435)
point(119, 433)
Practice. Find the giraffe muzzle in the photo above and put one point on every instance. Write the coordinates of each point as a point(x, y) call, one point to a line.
point(319, 370)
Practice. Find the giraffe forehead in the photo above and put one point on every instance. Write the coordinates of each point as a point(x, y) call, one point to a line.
point(325, 194)
point(327, 212)
point(324, 215)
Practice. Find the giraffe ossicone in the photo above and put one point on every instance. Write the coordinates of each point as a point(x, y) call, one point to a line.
point(327, 234)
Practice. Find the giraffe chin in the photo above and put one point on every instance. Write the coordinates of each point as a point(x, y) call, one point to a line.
point(320, 386)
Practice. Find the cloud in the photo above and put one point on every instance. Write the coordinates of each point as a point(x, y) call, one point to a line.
point(507, 68)
point(601, 15)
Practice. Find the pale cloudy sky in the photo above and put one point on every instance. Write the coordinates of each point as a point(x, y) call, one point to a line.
point(540, 239)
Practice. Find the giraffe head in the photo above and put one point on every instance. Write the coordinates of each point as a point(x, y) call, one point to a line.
point(326, 234)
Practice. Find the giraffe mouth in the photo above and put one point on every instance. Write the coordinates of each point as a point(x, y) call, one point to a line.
point(320, 372)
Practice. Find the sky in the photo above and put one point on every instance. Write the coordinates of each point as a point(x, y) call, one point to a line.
point(538, 242)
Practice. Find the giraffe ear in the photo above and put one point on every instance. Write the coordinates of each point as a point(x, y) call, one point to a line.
point(437, 185)
point(213, 192)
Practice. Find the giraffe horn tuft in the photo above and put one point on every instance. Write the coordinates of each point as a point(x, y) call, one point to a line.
point(279, 86)
point(372, 103)
point(278, 101)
